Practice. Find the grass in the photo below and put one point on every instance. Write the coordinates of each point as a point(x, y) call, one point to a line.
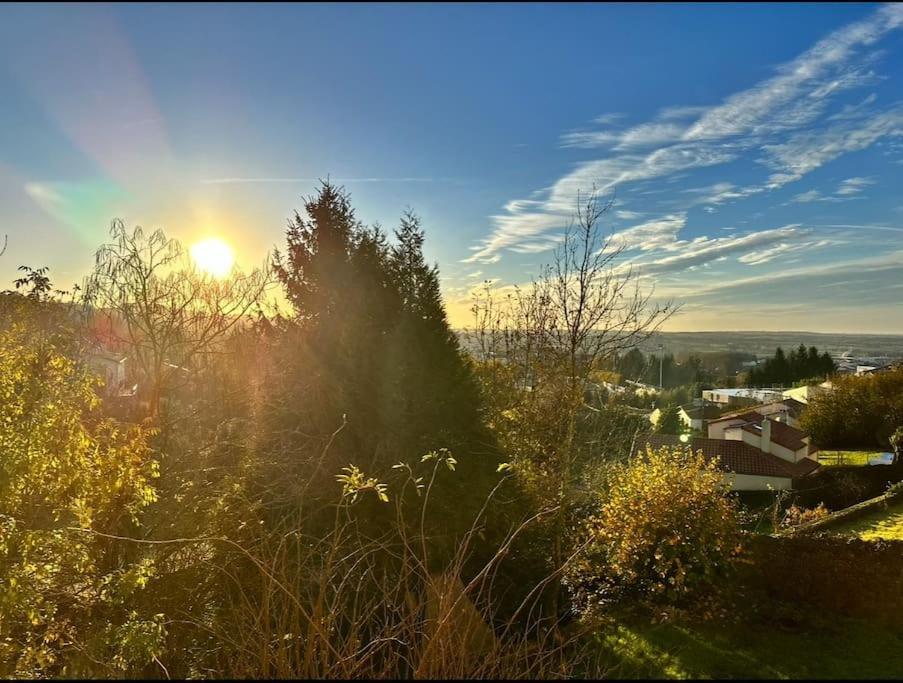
point(807, 647)
point(881, 524)
point(831, 458)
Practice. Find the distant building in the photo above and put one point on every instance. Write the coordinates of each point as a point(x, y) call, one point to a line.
point(697, 417)
point(805, 393)
point(848, 364)
point(613, 388)
point(641, 389)
point(693, 416)
point(741, 397)
point(788, 411)
point(886, 367)
point(111, 368)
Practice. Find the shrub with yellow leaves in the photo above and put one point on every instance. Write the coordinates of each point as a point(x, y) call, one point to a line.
point(664, 526)
point(65, 474)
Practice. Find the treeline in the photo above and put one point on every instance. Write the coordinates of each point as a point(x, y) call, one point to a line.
point(786, 369)
point(636, 366)
point(710, 367)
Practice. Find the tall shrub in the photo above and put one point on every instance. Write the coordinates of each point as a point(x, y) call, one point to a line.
point(664, 527)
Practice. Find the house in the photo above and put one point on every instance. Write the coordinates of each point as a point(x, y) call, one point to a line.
point(641, 389)
point(787, 410)
point(774, 437)
point(765, 431)
point(717, 427)
point(805, 394)
point(741, 397)
point(892, 366)
point(112, 369)
point(745, 467)
point(696, 417)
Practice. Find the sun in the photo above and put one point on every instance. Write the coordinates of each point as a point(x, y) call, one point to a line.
point(213, 256)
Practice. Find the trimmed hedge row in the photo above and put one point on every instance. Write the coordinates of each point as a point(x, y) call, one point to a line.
point(842, 575)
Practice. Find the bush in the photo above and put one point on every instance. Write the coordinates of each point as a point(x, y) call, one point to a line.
point(670, 422)
point(795, 516)
point(67, 477)
point(860, 412)
point(665, 526)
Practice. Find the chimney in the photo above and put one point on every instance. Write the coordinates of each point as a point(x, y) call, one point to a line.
point(766, 436)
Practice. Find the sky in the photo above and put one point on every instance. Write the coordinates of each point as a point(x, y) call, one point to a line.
point(754, 153)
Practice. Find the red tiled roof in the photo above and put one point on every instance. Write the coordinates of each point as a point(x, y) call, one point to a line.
point(738, 456)
point(782, 434)
point(806, 466)
point(787, 436)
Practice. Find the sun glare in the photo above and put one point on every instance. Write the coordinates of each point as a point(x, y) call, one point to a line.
point(213, 256)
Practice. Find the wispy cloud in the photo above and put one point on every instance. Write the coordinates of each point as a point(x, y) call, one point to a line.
point(769, 116)
point(755, 258)
point(863, 226)
point(525, 219)
point(796, 96)
point(854, 185)
point(704, 250)
point(804, 152)
point(854, 111)
point(644, 135)
point(608, 119)
point(808, 197)
point(847, 190)
point(720, 193)
point(892, 260)
point(628, 215)
point(661, 233)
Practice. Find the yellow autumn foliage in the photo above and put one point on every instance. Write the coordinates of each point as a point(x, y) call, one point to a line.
point(63, 468)
point(665, 526)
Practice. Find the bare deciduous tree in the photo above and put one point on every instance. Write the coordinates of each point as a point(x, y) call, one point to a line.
point(150, 298)
point(544, 340)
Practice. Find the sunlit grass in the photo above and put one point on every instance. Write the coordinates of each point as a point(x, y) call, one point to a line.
point(884, 524)
point(832, 458)
point(751, 648)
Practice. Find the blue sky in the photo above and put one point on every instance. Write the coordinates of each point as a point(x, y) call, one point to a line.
point(755, 152)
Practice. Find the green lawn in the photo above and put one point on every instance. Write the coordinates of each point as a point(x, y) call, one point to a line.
point(882, 523)
point(829, 458)
point(754, 648)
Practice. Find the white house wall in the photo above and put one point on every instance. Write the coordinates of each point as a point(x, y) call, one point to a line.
point(717, 429)
point(750, 482)
point(786, 453)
